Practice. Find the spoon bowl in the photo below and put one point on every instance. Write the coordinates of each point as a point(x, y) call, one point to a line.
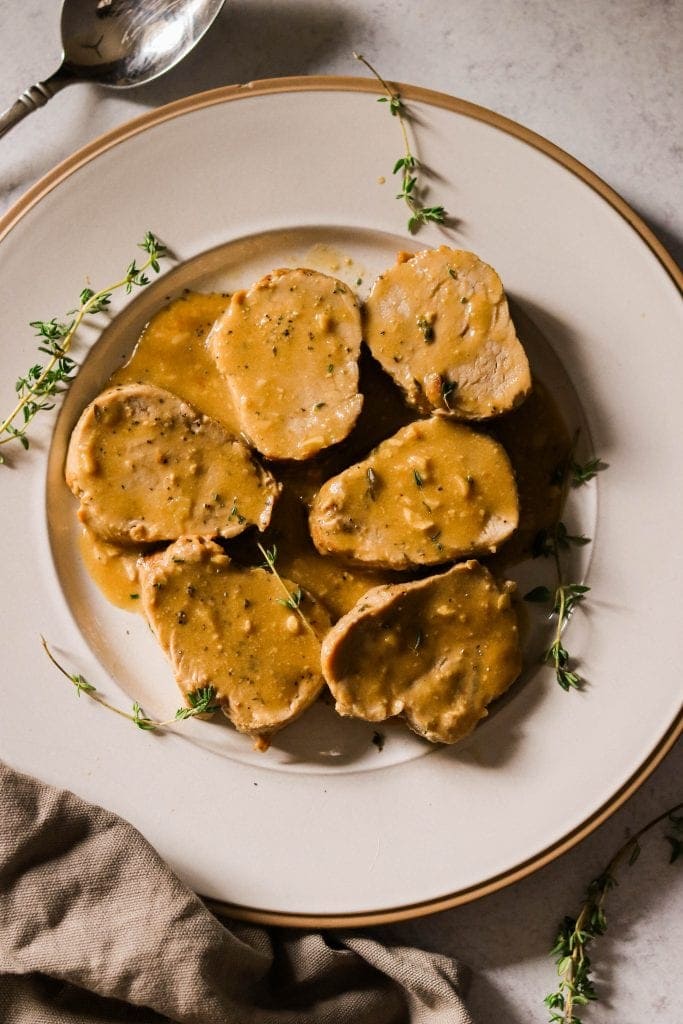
point(119, 44)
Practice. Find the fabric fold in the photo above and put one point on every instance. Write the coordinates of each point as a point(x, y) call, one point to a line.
point(95, 928)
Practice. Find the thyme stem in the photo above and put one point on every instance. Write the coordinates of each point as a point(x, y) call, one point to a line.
point(395, 99)
point(290, 602)
point(575, 935)
point(41, 383)
point(201, 701)
point(565, 596)
point(408, 164)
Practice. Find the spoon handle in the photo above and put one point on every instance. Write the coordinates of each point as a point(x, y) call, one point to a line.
point(35, 96)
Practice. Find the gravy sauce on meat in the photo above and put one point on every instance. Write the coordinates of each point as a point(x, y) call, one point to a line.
point(438, 322)
point(171, 353)
point(227, 626)
point(113, 568)
point(148, 467)
point(434, 492)
point(336, 584)
point(368, 483)
point(435, 651)
point(288, 351)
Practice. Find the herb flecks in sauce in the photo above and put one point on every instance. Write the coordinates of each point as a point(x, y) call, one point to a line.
point(336, 583)
point(171, 353)
point(293, 407)
point(426, 510)
point(148, 467)
point(427, 339)
point(436, 651)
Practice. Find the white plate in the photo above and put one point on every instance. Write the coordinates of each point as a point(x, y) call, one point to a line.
point(325, 827)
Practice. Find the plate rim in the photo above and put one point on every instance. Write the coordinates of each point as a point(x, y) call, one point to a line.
point(335, 83)
point(223, 94)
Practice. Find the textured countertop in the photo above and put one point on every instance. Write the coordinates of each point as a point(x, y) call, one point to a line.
point(604, 82)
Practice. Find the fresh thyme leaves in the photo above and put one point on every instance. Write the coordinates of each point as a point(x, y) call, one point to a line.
point(234, 511)
point(435, 540)
point(201, 701)
point(141, 720)
point(575, 935)
point(417, 643)
point(270, 556)
point(427, 328)
point(558, 537)
point(552, 543)
point(407, 165)
point(564, 599)
point(292, 600)
point(581, 474)
point(563, 539)
point(38, 388)
point(418, 478)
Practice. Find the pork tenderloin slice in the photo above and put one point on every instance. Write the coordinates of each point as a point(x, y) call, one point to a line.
point(435, 491)
point(288, 349)
point(226, 626)
point(436, 652)
point(439, 324)
point(148, 467)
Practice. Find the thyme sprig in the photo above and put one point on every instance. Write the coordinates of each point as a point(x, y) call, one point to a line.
point(575, 934)
point(37, 389)
point(583, 472)
point(564, 597)
point(292, 599)
point(201, 701)
point(407, 165)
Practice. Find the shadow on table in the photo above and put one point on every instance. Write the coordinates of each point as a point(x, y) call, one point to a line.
point(261, 40)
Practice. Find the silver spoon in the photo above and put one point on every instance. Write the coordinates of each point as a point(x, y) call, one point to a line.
point(119, 43)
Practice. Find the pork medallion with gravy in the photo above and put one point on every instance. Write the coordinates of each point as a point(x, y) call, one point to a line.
point(148, 467)
point(229, 627)
point(436, 652)
point(439, 324)
point(288, 350)
point(435, 491)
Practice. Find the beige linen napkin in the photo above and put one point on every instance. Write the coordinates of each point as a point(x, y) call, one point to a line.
point(95, 928)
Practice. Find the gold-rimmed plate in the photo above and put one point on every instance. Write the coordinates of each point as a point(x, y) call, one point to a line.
point(244, 179)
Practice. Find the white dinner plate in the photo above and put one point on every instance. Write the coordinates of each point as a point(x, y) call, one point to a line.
point(326, 827)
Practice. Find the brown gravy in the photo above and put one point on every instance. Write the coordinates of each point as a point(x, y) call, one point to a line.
point(171, 353)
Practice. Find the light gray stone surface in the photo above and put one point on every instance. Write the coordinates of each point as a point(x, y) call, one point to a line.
point(603, 81)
